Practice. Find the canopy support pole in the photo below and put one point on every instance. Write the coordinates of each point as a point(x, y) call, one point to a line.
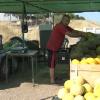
point(53, 19)
point(23, 21)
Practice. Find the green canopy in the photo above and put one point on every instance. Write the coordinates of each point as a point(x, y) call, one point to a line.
point(44, 6)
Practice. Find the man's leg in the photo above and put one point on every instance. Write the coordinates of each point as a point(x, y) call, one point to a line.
point(52, 76)
point(52, 67)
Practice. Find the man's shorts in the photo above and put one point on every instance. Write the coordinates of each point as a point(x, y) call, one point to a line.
point(51, 58)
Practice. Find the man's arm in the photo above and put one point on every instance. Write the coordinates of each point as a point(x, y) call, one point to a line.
point(75, 33)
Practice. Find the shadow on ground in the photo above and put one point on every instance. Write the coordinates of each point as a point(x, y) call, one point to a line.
point(42, 76)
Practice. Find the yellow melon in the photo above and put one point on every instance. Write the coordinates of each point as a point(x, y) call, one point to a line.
point(83, 61)
point(68, 84)
point(79, 97)
point(77, 89)
point(79, 80)
point(90, 60)
point(88, 94)
point(97, 90)
point(98, 98)
point(61, 93)
point(88, 87)
point(75, 61)
point(97, 60)
point(68, 96)
point(91, 97)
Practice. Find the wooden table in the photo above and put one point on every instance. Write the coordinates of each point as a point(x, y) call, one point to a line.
point(32, 54)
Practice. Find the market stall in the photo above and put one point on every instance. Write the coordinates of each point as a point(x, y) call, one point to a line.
point(70, 90)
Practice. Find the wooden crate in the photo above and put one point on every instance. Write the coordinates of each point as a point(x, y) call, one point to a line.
point(89, 72)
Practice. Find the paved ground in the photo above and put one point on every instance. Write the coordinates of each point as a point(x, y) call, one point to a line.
point(26, 91)
point(20, 87)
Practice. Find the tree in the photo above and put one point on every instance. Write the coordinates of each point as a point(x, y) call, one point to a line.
point(73, 16)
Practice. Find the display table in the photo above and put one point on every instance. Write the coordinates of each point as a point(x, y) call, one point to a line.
point(30, 54)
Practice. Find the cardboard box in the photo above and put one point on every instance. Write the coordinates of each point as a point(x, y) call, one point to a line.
point(90, 72)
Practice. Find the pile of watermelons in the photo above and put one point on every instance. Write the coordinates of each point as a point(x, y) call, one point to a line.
point(18, 42)
point(88, 46)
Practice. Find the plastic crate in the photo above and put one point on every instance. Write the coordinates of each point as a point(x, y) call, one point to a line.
point(63, 56)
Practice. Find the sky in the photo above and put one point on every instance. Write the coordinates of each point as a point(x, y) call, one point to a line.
point(93, 16)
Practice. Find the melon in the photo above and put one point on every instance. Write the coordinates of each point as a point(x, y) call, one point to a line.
point(97, 60)
point(97, 90)
point(91, 97)
point(88, 87)
point(75, 61)
point(88, 94)
point(79, 97)
point(68, 84)
point(98, 98)
point(61, 93)
point(79, 80)
point(83, 61)
point(68, 96)
point(77, 89)
point(90, 60)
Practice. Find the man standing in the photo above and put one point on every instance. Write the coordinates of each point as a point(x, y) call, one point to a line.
point(56, 39)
